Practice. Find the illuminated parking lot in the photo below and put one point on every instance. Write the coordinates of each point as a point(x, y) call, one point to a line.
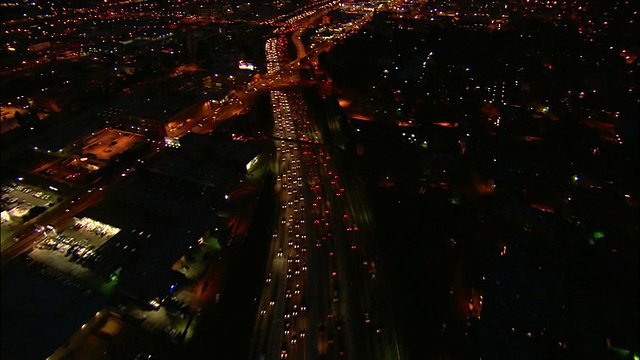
point(18, 201)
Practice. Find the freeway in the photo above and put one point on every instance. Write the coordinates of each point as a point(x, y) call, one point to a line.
point(322, 296)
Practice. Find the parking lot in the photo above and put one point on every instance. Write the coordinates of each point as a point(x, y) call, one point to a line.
point(68, 248)
point(109, 142)
point(17, 201)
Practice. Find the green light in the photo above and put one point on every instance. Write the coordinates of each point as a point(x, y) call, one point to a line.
point(213, 242)
point(108, 287)
point(622, 352)
point(593, 238)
